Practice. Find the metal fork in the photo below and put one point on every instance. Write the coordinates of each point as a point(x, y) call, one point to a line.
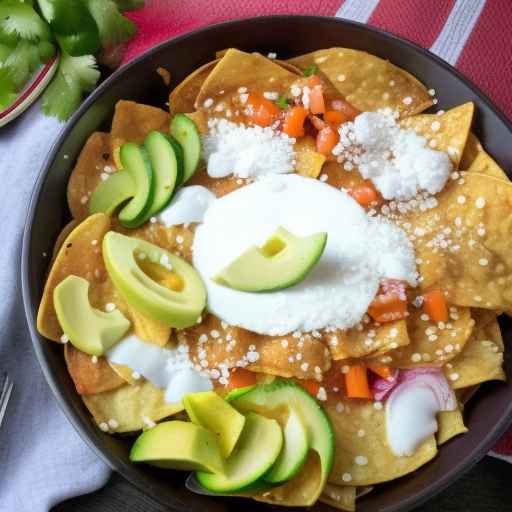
point(5, 394)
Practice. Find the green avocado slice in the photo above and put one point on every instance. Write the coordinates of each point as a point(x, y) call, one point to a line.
point(184, 130)
point(178, 445)
point(270, 399)
point(256, 450)
point(154, 281)
point(284, 260)
point(90, 330)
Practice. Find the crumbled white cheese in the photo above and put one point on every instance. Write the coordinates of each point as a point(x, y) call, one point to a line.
point(187, 206)
point(232, 148)
point(398, 161)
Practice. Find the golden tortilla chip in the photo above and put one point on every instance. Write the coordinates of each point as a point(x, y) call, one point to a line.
point(447, 132)
point(367, 82)
point(308, 162)
point(133, 121)
point(130, 408)
point(449, 424)
point(94, 160)
point(482, 357)
point(471, 150)
point(124, 373)
point(429, 344)
point(90, 377)
point(367, 459)
point(463, 245)
point(341, 498)
point(368, 338)
point(484, 164)
point(66, 230)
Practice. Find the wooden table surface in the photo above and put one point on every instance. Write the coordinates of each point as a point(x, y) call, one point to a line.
point(486, 488)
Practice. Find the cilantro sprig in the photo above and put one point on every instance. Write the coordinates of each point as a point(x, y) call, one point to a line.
point(32, 31)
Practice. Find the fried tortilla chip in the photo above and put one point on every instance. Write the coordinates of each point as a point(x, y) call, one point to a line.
point(471, 150)
point(339, 497)
point(482, 357)
point(90, 377)
point(367, 82)
point(133, 121)
point(447, 132)
point(429, 343)
point(367, 459)
point(94, 160)
point(129, 408)
point(124, 373)
point(66, 230)
point(464, 395)
point(449, 425)
point(308, 162)
point(462, 245)
point(484, 164)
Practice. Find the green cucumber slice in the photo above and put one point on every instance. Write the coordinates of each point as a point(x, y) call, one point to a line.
point(178, 150)
point(135, 158)
point(237, 393)
point(109, 194)
point(294, 452)
point(167, 169)
point(257, 449)
point(184, 130)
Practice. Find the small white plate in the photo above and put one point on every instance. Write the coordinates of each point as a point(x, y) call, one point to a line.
point(30, 92)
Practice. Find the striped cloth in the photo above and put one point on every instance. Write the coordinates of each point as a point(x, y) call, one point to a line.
point(472, 35)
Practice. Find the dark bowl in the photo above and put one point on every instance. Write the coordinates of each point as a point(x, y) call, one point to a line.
point(487, 415)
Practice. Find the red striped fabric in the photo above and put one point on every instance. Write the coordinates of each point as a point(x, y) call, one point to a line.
point(416, 20)
point(487, 56)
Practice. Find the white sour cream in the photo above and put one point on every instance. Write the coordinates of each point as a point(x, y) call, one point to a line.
point(360, 251)
point(187, 206)
point(169, 369)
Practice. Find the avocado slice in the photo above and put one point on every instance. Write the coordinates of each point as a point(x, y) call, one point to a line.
point(210, 411)
point(166, 160)
point(155, 282)
point(256, 450)
point(294, 452)
point(284, 260)
point(178, 445)
point(271, 399)
point(184, 130)
point(90, 330)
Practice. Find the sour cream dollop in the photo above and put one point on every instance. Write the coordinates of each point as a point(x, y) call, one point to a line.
point(187, 206)
point(360, 251)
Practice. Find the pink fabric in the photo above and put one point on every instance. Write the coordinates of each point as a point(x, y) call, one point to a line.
point(485, 56)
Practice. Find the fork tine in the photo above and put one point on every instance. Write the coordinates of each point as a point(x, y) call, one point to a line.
point(5, 396)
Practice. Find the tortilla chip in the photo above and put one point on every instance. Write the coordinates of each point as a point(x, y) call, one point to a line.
point(124, 373)
point(356, 417)
point(95, 157)
point(130, 407)
point(471, 150)
point(482, 357)
point(367, 82)
point(340, 497)
point(429, 344)
point(239, 69)
point(183, 96)
point(463, 245)
point(447, 132)
point(133, 121)
point(90, 377)
point(484, 164)
point(66, 230)
point(487, 321)
point(464, 395)
point(308, 162)
point(299, 490)
point(449, 425)
point(368, 338)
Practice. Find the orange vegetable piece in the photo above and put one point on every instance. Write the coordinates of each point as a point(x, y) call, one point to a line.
point(326, 139)
point(390, 303)
point(381, 370)
point(240, 378)
point(335, 118)
point(356, 381)
point(263, 112)
point(294, 121)
point(316, 100)
point(434, 305)
point(314, 80)
point(311, 386)
point(346, 108)
point(365, 194)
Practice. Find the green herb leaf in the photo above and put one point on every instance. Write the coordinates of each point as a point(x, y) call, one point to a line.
point(7, 92)
point(282, 102)
point(21, 62)
point(75, 76)
point(21, 21)
point(311, 70)
point(113, 27)
point(129, 5)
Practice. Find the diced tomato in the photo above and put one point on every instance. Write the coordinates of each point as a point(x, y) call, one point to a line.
point(391, 302)
point(434, 305)
point(311, 386)
point(356, 381)
point(316, 100)
point(317, 122)
point(293, 124)
point(262, 112)
point(240, 378)
point(314, 80)
point(326, 139)
point(335, 118)
point(343, 106)
point(381, 370)
point(365, 194)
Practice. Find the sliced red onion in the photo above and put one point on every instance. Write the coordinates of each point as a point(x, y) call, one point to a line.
point(381, 387)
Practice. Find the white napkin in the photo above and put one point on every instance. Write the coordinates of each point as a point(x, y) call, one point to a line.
point(42, 459)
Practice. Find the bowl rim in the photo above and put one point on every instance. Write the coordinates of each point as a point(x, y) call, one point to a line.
point(414, 500)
